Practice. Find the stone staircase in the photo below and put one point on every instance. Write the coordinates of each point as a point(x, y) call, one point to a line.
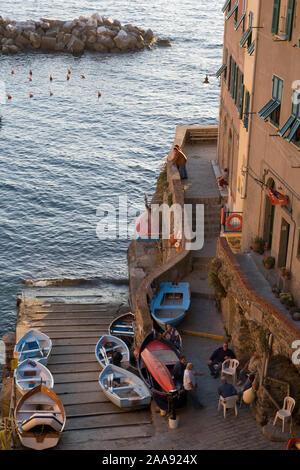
point(202, 189)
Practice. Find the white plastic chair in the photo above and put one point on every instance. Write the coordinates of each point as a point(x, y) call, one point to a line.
point(229, 402)
point(229, 367)
point(286, 412)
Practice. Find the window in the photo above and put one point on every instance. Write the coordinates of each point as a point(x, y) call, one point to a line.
point(241, 95)
point(233, 10)
point(282, 19)
point(239, 22)
point(272, 108)
point(277, 94)
point(251, 48)
point(246, 113)
point(294, 114)
point(233, 80)
point(298, 249)
point(221, 70)
point(229, 72)
point(235, 91)
point(226, 5)
point(275, 19)
point(226, 62)
point(248, 34)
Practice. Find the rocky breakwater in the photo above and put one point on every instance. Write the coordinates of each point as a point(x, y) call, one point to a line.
point(97, 33)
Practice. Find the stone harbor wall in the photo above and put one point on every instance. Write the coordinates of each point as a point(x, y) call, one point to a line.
point(97, 34)
point(249, 321)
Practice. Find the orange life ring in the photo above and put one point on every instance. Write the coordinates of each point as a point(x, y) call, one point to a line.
point(234, 228)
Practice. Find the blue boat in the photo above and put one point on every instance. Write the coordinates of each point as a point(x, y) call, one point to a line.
point(171, 303)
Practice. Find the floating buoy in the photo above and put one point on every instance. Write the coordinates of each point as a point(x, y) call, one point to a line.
point(9, 97)
point(30, 79)
point(99, 94)
point(68, 77)
point(69, 71)
point(51, 78)
point(51, 93)
point(82, 76)
point(30, 72)
point(30, 95)
point(12, 72)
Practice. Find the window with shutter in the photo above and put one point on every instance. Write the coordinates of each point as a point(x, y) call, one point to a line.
point(241, 95)
point(226, 62)
point(229, 72)
point(226, 5)
point(272, 108)
point(289, 20)
point(275, 19)
point(247, 36)
point(233, 79)
point(233, 9)
point(294, 114)
point(246, 113)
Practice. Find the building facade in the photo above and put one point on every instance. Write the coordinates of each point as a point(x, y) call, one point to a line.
point(259, 125)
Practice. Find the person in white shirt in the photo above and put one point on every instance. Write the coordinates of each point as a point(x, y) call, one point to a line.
point(190, 385)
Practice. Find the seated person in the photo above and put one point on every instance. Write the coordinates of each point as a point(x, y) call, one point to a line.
point(223, 179)
point(171, 335)
point(249, 368)
point(117, 358)
point(226, 390)
point(250, 382)
point(218, 357)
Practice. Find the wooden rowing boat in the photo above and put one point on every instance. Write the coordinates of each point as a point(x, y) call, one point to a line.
point(171, 303)
point(106, 348)
point(123, 328)
point(40, 418)
point(293, 443)
point(33, 345)
point(30, 373)
point(123, 388)
point(156, 360)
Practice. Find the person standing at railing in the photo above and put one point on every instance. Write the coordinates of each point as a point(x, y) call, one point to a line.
point(180, 160)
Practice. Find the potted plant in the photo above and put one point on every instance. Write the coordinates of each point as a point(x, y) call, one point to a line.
point(283, 297)
point(287, 275)
point(258, 245)
point(276, 291)
point(269, 262)
point(282, 270)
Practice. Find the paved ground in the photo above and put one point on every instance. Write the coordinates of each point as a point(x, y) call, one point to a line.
point(203, 429)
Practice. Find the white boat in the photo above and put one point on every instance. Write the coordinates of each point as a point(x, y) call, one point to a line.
point(107, 346)
point(31, 373)
point(33, 345)
point(123, 388)
point(40, 418)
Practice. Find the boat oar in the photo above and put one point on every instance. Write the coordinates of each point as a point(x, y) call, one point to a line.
point(104, 355)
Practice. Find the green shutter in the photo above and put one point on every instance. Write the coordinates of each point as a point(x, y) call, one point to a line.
point(275, 20)
point(289, 20)
point(229, 72)
point(233, 79)
point(246, 113)
point(241, 95)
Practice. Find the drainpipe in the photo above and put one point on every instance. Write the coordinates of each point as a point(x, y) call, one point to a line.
point(251, 107)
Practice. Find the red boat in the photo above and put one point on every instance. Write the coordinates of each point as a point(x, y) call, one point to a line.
point(158, 370)
point(293, 443)
point(156, 360)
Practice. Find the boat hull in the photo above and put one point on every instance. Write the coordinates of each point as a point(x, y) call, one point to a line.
point(164, 400)
point(117, 345)
point(138, 395)
point(171, 303)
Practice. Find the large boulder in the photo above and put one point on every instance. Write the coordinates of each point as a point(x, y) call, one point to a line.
point(75, 45)
point(22, 42)
point(108, 21)
point(106, 32)
point(5, 50)
point(125, 41)
point(48, 43)
point(35, 40)
point(67, 27)
point(98, 47)
point(106, 41)
point(13, 49)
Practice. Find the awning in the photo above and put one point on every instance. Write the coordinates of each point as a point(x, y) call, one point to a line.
point(246, 36)
point(230, 13)
point(268, 108)
point(240, 21)
point(251, 48)
point(221, 70)
point(293, 130)
point(287, 125)
point(226, 5)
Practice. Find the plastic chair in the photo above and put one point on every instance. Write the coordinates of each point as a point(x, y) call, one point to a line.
point(286, 412)
point(229, 367)
point(229, 402)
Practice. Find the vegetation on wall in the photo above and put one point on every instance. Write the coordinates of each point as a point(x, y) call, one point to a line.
point(213, 278)
point(162, 182)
